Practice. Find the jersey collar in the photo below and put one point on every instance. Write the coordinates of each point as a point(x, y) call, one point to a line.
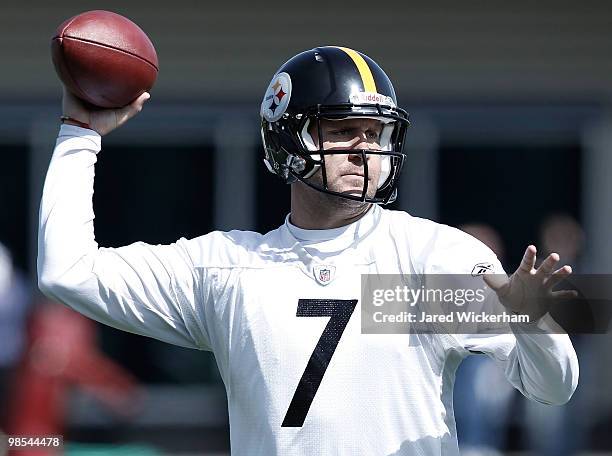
point(348, 233)
point(340, 247)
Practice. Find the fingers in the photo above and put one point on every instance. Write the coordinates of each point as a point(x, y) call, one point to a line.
point(565, 294)
point(528, 261)
point(547, 266)
point(557, 276)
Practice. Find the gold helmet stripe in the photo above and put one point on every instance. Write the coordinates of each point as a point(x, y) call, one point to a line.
point(364, 70)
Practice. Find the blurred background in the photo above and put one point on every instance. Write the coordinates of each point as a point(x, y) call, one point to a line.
point(511, 139)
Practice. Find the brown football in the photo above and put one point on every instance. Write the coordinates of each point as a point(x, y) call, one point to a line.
point(104, 58)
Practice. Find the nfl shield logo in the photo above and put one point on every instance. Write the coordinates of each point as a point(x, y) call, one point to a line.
point(324, 273)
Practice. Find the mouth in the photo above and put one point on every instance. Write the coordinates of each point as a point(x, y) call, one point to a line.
point(353, 183)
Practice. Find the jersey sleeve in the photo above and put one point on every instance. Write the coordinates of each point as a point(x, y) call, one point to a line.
point(151, 290)
point(537, 358)
point(541, 365)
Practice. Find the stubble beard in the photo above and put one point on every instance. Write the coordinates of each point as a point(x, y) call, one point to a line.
point(341, 204)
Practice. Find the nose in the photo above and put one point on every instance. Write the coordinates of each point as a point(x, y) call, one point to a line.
point(360, 141)
point(357, 157)
point(361, 144)
point(366, 142)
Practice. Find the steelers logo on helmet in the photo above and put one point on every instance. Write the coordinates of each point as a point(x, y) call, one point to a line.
point(277, 97)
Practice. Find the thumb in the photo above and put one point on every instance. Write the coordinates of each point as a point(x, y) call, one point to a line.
point(497, 282)
point(129, 111)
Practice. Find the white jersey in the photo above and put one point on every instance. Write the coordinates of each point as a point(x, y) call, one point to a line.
point(280, 311)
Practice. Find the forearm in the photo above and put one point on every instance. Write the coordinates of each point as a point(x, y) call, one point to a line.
point(66, 230)
point(139, 288)
point(545, 364)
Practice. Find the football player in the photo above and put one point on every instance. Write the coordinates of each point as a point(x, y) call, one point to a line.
point(281, 311)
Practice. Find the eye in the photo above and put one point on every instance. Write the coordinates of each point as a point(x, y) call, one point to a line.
point(373, 135)
point(341, 132)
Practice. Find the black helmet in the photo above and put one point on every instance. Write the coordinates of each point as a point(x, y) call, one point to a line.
point(331, 83)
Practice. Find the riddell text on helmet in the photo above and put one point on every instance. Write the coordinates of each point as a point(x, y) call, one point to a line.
point(371, 97)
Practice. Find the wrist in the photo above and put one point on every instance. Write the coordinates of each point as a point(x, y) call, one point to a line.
point(72, 121)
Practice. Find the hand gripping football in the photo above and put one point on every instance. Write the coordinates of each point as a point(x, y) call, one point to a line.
point(104, 58)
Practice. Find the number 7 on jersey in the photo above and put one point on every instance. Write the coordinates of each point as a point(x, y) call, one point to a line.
point(340, 311)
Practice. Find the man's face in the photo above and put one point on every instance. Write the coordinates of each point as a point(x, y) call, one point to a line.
point(345, 172)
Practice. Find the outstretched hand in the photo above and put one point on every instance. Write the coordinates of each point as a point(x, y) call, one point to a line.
point(529, 290)
point(102, 121)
